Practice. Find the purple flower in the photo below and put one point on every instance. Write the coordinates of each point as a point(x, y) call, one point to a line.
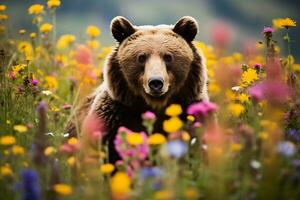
point(30, 185)
point(202, 108)
point(293, 135)
point(257, 66)
point(267, 30)
point(34, 82)
point(148, 115)
point(176, 148)
point(150, 172)
point(42, 106)
point(286, 149)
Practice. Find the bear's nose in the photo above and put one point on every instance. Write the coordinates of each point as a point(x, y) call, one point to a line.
point(156, 84)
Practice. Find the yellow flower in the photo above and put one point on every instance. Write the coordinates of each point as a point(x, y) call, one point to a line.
point(213, 88)
point(163, 195)
point(2, 7)
point(190, 118)
point(244, 98)
point(93, 44)
point(186, 136)
point(235, 147)
point(62, 189)
point(2, 29)
point(134, 138)
point(46, 27)
point(49, 151)
point(191, 193)
point(17, 68)
point(3, 17)
point(172, 125)
point(5, 170)
point(174, 110)
point(72, 141)
point(120, 184)
point(156, 139)
point(284, 23)
point(65, 41)
point(71, 161)
point(51, 82)
point(7, 140)
point(263, 135)
point(20, 128)
point(107, 168)
point(53, 3)
point(36, 9)
point(22, 31)
point(17, 150)
point(249, 76)
point(25, 48)
point(93, 31)
point(235, 109)
point(296, 67)
point(32, 35)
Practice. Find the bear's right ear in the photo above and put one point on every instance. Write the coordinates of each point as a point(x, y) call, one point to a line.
point(121, 28)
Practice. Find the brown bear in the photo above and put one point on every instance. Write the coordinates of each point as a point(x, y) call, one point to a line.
point(150, 68)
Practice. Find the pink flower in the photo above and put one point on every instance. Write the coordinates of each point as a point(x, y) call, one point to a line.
point(94, 127)
point(202, 108)
point(273, 91)
point(69, 148)
point(34, 82)
point(67, 106)
point(83, 55)
point(148, 115)
point(127, 151)
point(221, 34)
point(268, 30)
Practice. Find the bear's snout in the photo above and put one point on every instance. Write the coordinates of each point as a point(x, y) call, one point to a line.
point(156, 84)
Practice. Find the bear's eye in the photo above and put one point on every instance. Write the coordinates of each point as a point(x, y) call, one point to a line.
point(168, 58)
point(142, 58)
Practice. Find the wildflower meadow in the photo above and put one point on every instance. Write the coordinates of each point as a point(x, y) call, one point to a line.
point(242, 144)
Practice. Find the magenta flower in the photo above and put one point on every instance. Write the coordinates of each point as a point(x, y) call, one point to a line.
point(202, 108)
point(273, 91)
point(34, 82)
point(257, 66)
point(267, 30)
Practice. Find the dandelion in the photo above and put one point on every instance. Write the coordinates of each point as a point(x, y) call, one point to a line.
point(46, 28)
point(134, 138)
point(71, 161)
point(65, 41)
point(3, 17)
point(284, 23)
point(235, 109)
point(93, 31)
point(156, 139)
point(49, 150)
point(5, 170)
point(7, 140)
point(32, 35)
point(51, 82)
point(244, 98)
point(20, 128)
point(107, 168)
point(173, 110)
point(120, 184)
point(249, 76)
point(36, 9)
point(17, 150)
point(172, 125)
point(2, 7)
point(62, 189)
point(53, 3)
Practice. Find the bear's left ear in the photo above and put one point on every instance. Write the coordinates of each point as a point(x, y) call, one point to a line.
point(121, 28)
point(186, 27)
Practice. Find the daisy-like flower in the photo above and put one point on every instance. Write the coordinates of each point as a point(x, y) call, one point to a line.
point(36, 9)
point(284, 23)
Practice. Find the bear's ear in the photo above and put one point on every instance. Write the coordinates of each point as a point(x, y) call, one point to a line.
point(186, 27)
point(121, 28)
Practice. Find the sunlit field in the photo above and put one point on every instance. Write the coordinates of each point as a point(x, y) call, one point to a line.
point(243, 144)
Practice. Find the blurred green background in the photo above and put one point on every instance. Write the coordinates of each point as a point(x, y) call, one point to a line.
point(243, 19)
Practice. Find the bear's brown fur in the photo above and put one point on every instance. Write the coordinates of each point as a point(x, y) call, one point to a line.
point(144, 52)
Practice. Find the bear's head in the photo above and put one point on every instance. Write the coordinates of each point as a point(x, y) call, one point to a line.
point(155, 65)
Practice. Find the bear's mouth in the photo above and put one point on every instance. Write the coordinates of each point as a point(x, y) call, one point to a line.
point(156, 96)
